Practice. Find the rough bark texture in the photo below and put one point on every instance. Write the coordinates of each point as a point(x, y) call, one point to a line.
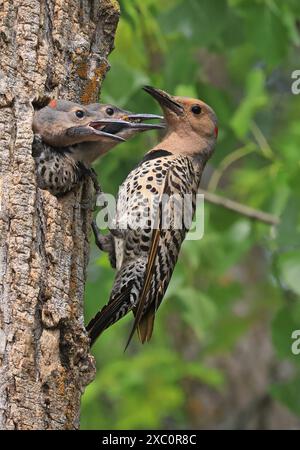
point(49, 49)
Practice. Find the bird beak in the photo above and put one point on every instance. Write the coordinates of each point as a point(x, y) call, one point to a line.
point(164, 99)
point(144, 126)
point(98, 129)
point(142, 117)
point(135, 121)
point(113, 126)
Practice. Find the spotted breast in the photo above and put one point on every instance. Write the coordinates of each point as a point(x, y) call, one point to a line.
point(149, 231)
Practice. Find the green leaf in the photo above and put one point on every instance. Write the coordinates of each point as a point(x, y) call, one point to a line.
point(184, 90)
point(192, 20)
point(208, 375)
point(289, 227)
point(120, 93)
point(254, 100)
point(288, 394)
point(289, 265)
point(199, 311)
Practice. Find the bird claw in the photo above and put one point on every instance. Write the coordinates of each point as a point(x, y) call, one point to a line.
point(99, 238)
point(91, 204)
point(105, 243)
point(88, 205)
point(94, 178)
point(119, 234)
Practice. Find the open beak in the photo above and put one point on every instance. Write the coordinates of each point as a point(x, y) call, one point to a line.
point(108, 129)
point(164, 99)
point(98, 128)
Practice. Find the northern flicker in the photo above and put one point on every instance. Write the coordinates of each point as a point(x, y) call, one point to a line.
point(146, 255)
point(69, 137)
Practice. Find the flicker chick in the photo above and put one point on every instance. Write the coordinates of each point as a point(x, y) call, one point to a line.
point(69, 137)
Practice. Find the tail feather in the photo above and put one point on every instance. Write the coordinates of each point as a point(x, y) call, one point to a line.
point(146, 284)
point(145, 326)
point(107, 316)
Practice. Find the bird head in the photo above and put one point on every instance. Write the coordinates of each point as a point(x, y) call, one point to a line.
point(127, 124)
point(192, 123)
point(63, 123)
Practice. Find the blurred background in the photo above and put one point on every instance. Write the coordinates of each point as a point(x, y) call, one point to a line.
point(220, 356)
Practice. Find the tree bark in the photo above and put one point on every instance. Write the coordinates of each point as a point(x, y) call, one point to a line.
point(49, 49)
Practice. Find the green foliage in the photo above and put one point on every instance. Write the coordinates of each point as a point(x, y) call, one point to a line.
point(238, 55)
point(252, 102)
point(288, 394)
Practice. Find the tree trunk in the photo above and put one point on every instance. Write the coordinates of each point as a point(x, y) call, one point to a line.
point(49, 49)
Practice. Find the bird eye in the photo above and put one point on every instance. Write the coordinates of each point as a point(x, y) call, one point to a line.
point(79, 113)
point(196, 109)
point(109, 111)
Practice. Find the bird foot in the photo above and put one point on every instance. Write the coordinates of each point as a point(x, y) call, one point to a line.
point(102, 241)
point(91, 204)
point(88, 205)
point(95, 181)
point(105, 243)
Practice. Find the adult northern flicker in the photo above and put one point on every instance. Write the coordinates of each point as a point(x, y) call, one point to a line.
point(146, 255)
point(69, 137)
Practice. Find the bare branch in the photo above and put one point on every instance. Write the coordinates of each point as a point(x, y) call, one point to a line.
point(239, 208)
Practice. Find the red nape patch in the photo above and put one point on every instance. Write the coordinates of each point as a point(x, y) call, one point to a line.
point(53, 104)
point(216, 131)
